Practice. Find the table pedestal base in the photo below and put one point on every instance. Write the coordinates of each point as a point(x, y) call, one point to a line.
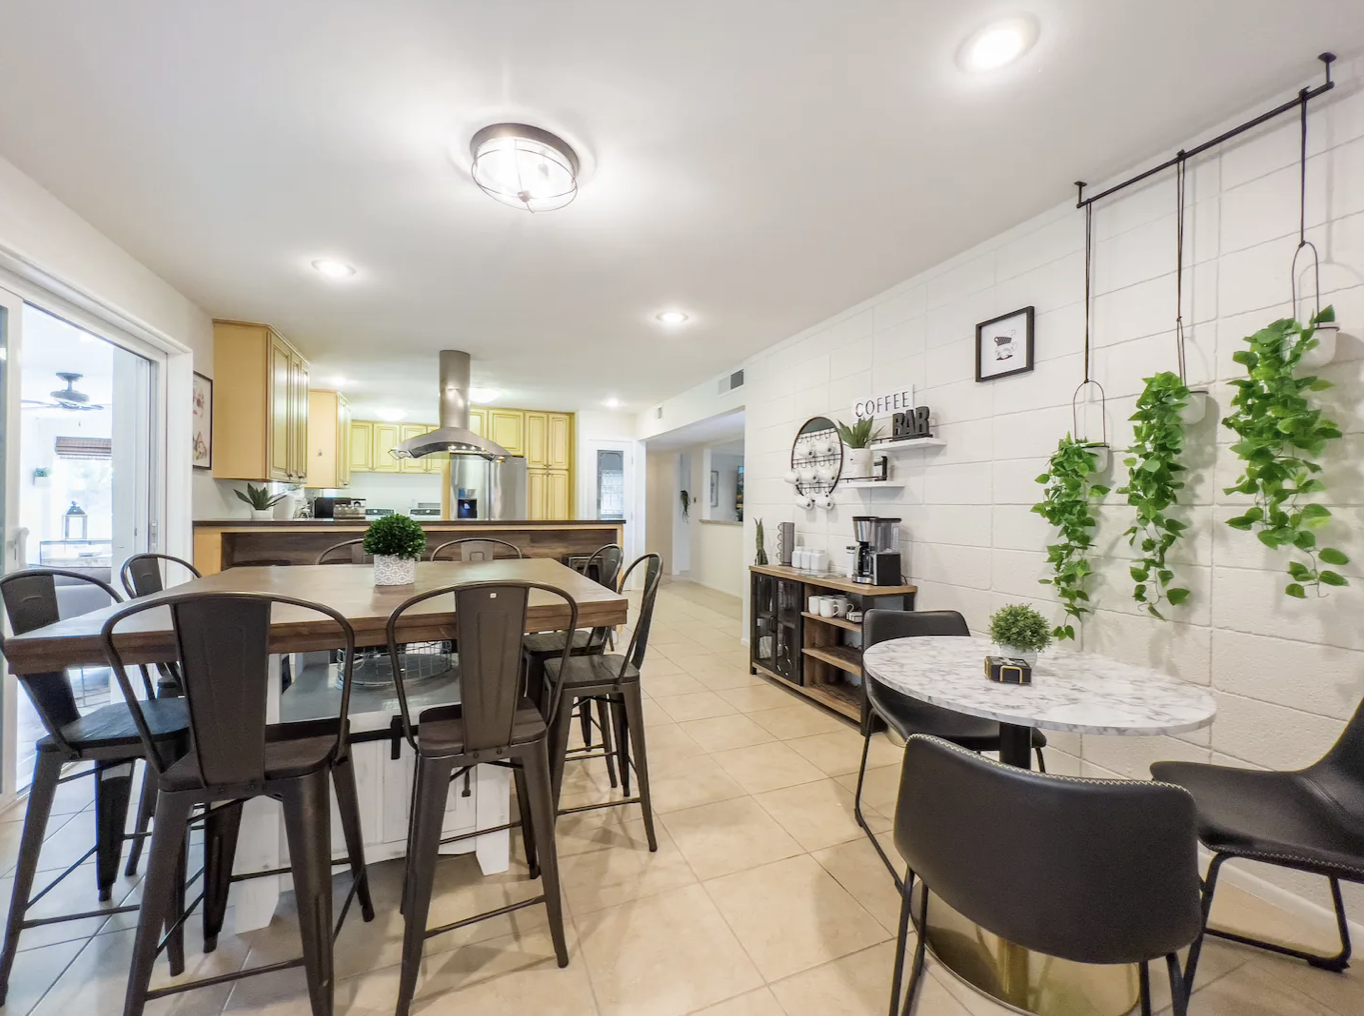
point(1030, 982)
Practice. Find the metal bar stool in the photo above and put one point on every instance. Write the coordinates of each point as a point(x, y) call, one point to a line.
point(476, 548)
point(496, 722)
point(235, 756)
point(141, 573)
point(334, 555)
point(107, 737)
point(617, 679)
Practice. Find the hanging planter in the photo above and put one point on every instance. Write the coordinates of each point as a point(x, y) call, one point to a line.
point(1321, 339)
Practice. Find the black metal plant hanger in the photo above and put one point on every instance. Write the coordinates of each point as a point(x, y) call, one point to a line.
point(1075, 399)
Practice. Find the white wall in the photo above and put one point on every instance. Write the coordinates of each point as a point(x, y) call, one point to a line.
point(613, 430)
point(1286, 674)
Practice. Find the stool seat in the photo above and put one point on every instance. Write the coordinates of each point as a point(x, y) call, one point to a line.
point(284, 760)
point(550, 642)
point(588, 671)
point(112, 726)
point(441, 730)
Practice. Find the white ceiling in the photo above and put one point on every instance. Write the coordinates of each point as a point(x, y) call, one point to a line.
point(760, 163)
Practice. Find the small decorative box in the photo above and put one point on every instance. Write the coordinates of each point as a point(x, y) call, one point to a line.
point(1008, 670)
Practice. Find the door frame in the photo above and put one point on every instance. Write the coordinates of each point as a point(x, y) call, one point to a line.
point(11, 398)
point(634, 496)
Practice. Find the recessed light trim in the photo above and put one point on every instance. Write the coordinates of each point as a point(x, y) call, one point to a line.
point(391, 415)
point(673, 317)
point(998, 44)
point(611, 403)
point(483, 395)
point(333, 269)
point(525, 167)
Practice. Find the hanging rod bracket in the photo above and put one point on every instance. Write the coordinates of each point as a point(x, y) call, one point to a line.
point(1297, 102)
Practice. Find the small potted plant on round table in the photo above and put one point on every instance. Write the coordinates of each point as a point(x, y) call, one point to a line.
point(397, 544)
point(261, 501)
point(1020, 632)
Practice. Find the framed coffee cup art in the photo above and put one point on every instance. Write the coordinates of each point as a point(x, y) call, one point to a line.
point(1004, 345)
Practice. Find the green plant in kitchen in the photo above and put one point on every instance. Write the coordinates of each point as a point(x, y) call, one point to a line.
point(1281, 434)
point(686, 504)
point(1018, 626)
point(760, 558)
point(1068, 504)
point(860, 435)
point(259, 498)
point(395, 536)
point(1152, 488)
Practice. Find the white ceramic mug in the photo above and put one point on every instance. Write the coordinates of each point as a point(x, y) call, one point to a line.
point(826, 606)
point(841, 606)
point(812, 605)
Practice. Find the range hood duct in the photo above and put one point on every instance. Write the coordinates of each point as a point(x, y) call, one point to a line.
point(454, 435)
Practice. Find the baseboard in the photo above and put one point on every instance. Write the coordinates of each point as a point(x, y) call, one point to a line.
point(1310, 913)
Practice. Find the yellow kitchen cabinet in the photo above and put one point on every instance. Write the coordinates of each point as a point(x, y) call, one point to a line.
point(260, 412)
point(537, 440)
point(386, 437)
point(362, 446)
point(408, 431)
point(558, 494)
point(537, 491)
point(328, 440)
point(477, 421)
point(507, 427)
point(559, 454)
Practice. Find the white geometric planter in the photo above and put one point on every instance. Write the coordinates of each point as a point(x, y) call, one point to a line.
point(394, 571)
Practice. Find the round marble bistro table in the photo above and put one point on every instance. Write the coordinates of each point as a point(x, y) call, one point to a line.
point(1071, 691)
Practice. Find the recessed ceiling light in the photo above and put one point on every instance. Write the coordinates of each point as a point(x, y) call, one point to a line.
point(333, 269)
point(477, 394)
point(611, 403)
point(339, 381)
point(391, 415)
point(524, 166)
point(671, 317)
point(998, 44)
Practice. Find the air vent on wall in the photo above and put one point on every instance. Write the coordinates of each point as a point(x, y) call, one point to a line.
point(658, 413)
point(84, 448)
point(731, 382)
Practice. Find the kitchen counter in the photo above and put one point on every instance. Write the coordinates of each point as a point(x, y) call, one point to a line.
point(226, 543)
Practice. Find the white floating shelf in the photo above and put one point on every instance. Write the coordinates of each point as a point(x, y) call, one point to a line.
point(913, 442)
point(871, 484)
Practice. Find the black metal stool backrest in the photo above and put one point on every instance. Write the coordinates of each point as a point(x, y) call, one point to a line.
point(141, 573)
point(31, 603)
point(639, 637)
point(349, 557)
point(223, 649)
point(490, 622)
point(475, 548)
point(1095, 871)
point(881, 626)
point(607, 560)
point(1340, 772)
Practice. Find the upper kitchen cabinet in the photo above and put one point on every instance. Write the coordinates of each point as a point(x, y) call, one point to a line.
point(560, 443)
point(386, 438)
point(362, 446)
point(423, 465)
point(260, 412)
point(507, 427)
point(329, 440)
point(537, 440)
point(477, 421)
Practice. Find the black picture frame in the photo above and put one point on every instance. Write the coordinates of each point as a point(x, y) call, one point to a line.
point(992, 332)
point(201, 422)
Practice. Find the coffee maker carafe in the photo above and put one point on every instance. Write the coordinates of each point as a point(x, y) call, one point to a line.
point(876, 536)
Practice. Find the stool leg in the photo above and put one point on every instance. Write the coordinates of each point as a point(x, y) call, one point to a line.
point(634, 714)
point(221, 826)
point(558, 743)
point(113, 787)
point(146, 808)
point(158, 894)
point(308, 827)
point(622, 723)
point(428, 815)
point(538, 784)
point(527, 821)
point(604, 721)
point(348, 801)
point(47, 771)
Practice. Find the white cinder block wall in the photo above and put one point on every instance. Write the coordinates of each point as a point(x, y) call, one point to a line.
point(1286, 675)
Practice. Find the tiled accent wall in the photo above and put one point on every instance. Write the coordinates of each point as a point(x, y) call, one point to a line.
point(1286, 674)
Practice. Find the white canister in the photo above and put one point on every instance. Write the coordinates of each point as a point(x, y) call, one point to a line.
point(798, 557)
point(819, 561)
point(850, 561)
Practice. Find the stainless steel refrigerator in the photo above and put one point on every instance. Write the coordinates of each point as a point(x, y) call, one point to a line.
point(485, 489)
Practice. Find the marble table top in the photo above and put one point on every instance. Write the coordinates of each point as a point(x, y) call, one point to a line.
point(1079, 692)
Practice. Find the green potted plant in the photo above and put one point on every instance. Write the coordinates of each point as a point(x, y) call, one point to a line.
point(858, 438)
point(1020, 632)
point(760, 558)
point(397, 543)
point(261, 501)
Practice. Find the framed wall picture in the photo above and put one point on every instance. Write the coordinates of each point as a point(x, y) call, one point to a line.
point(202, 428)
point(715, 488)
point(1004, 345)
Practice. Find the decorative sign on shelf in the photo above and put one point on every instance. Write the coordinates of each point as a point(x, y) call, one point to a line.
point(911, 424)
point(907, 420)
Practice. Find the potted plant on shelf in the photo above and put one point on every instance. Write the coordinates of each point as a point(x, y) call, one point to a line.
point(1020, 632)
point(858, 438)
point(261, 501)
point(397, 543)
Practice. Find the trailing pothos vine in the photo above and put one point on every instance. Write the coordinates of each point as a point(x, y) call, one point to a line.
point(1281, 433)
point(1068, 504)
point(1153, 485)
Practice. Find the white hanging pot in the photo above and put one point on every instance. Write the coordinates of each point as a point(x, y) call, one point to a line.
point(859, 462)
point(1101, 456)
point(1325, 351)
point(394, 571)
point(1196, 408)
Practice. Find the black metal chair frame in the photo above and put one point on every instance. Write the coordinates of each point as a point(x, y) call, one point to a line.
point(307, 807)
point(322, 557)
point(131, 575)
point(1180, 986)
point(625, 701)
point(870, 714)
point(436, 769)
point(515, 550)
point(55, 705)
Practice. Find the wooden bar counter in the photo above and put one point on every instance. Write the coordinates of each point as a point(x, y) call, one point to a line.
point(230, 543)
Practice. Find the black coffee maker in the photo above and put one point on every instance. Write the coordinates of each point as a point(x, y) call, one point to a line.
point(878, 550)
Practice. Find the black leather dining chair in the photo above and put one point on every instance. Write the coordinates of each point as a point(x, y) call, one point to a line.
point(1093, 871)
point(908, 716)
point(1311, 820)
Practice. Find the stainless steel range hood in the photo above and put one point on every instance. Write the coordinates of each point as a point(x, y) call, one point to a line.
point(454, 435)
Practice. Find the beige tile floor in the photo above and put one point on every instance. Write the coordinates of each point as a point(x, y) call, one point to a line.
point(763, 899)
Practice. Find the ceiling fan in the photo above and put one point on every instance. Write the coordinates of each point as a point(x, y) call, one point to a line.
point(65, 398)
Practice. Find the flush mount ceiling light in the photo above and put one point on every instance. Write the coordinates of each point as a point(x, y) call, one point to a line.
point(333, 269)
point(524, 166)
point(611, 403)
point(672, 317)
point(390, 415)
point(481, 395)
point(998, 44)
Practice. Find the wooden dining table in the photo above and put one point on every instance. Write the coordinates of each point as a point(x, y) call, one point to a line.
point(383, 764)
